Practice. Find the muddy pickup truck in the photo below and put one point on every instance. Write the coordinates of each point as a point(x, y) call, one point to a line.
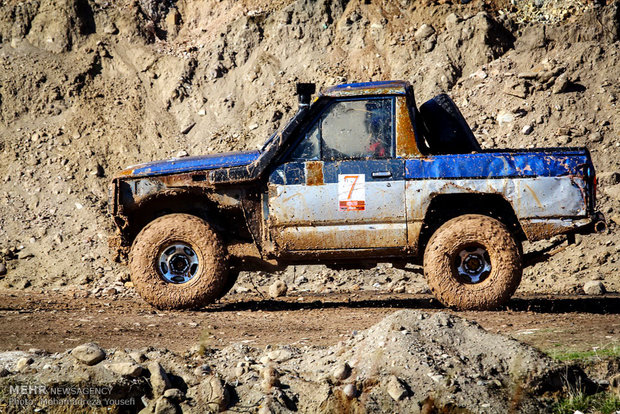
point(358, 176)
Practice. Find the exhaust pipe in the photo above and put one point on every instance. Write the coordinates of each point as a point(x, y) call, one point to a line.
point(305, 91)
point(600, 226)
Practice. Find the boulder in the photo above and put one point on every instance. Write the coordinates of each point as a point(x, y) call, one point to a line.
point(89, 354)
point(159, 379)
point(594, 287)
point(126, 369)
point(277, 289)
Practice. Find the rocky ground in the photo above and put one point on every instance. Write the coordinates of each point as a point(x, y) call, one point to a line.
point(355, 351)
point(90, 86)
point(410, 361)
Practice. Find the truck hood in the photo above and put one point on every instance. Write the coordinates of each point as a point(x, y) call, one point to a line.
point(188, 164)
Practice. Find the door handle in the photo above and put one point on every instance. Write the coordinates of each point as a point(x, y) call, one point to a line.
point(381, 174)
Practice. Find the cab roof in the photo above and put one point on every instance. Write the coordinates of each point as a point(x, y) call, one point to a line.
point(394, 87)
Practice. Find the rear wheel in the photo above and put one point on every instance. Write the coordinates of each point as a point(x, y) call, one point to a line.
point(177, 261)
point(473, 262)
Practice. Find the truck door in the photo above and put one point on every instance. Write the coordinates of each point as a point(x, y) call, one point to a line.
point(341, 186)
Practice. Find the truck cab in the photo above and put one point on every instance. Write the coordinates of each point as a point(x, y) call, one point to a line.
point(340, 185)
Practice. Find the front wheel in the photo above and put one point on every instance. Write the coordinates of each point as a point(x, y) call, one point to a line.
point(473, 262)
point(178, 261)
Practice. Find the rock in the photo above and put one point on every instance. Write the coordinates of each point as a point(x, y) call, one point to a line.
point(594, 287)
point(109, 291)
point(175, 394)
point(564, 139)
point(126, 369)
point(271, 376)
point(110, 28)
point(89, 354)
point(50, 28)
point(187, 127)
point(399, 289)
point(2, 269)
point(165, 406)
point(138, 356)
point(424, 32)
point(480, 74)
point(595, 137)
point(280, 355)
point(277, 289)
point(350, 390)
point(396, 389)
point(342, 372)
point(159, 379)
point(527, 130)
point(24, 363)
point(212, 395)
point(428, 45)
point(527, 75)
point(182, 153)
point(505, 117)
point(560, 83)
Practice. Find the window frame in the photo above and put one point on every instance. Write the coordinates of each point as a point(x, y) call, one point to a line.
point(319, 118)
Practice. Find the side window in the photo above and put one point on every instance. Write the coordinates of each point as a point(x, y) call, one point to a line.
point(350, 130)
point(309, 147)
point(357, 129)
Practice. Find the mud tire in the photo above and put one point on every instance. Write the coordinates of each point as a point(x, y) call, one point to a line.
point(504, 253)
point(206, 284)
point(231, 279)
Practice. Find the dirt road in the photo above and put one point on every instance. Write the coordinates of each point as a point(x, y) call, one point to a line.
point(56, 322)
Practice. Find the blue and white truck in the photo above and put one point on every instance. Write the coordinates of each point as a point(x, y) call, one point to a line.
point(359, 175)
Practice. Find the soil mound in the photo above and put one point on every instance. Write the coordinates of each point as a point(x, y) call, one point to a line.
point(409, 362)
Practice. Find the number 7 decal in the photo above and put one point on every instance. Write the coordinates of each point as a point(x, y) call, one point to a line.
point(351, 192)
point(349, 177)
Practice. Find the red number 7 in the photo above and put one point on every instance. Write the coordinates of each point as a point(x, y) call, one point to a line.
point(355, 177)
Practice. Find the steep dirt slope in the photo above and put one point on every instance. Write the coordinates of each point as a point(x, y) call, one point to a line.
point(87, 87)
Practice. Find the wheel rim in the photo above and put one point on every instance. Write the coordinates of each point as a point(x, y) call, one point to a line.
point(178, 263)
point(473, 264)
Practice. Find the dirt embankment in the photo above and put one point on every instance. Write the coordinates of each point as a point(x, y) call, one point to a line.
point(87, 87)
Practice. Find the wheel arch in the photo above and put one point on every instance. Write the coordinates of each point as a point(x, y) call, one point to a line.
point(444, 207)
point(188, 201)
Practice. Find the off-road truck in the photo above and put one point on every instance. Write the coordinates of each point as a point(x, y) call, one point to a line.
point(358, 176)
